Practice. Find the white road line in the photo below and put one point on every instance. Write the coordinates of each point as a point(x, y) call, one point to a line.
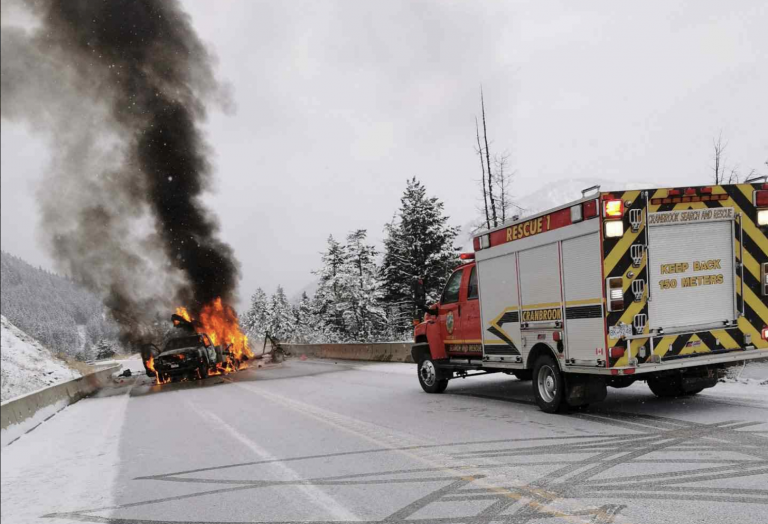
point(313, 494)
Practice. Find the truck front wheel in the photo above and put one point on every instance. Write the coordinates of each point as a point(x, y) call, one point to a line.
point(548, 385)
point(430, 377)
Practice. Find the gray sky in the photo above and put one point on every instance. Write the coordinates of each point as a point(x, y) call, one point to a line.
point(338, 103)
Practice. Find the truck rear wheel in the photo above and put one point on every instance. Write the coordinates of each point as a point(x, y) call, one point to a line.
point(668, 388)
point(548, 385)
point(430, 377)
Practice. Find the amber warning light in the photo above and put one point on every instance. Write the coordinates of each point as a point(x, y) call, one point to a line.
point(614, 208)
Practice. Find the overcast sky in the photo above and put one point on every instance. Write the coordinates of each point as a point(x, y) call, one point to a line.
point(338, 103)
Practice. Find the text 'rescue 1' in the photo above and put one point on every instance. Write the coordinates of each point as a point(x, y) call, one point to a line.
point(531, 227)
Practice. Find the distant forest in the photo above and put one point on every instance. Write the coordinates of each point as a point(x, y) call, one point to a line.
point(66, 318)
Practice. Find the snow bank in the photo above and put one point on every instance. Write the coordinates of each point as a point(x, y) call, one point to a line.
point(26, 365)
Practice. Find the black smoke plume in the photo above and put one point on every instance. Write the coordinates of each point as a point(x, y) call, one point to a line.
point(120, 89)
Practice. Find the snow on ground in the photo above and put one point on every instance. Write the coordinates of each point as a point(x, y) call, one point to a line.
point(68, 463)
point(27, 365)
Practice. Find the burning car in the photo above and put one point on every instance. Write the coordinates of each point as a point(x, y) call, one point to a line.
point(192, 357)
point(196, 354)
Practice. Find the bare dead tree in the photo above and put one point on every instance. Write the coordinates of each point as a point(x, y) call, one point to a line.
point(494, 217)
point(503, 180)
point(482, 178)
point(722, 174)
point(719, 147)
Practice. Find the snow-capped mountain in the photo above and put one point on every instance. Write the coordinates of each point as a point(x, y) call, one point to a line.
point(564, 191)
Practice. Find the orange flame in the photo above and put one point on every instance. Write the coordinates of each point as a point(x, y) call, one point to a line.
point(151, 367)
point(219, 321)
point(183, 313)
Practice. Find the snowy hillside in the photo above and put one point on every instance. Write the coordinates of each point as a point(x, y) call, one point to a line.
point(27, 365)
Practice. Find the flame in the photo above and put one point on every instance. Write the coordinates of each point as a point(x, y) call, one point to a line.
point(219, 321)
point(183, 313)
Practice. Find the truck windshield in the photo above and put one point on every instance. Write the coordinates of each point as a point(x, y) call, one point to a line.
point(451, 293)
point(184, 342)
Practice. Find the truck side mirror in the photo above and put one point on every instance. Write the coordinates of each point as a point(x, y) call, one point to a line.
point(420, 297)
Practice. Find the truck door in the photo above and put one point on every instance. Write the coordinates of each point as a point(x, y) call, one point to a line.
point(448, 316)
point(470, 324)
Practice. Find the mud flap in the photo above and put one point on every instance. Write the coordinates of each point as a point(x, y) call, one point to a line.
point(584, 389)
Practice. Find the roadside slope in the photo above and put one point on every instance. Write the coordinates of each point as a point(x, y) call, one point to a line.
point(27, 365)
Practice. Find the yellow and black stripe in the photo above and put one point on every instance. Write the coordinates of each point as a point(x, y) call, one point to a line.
point(617, 262)
point(506, 345)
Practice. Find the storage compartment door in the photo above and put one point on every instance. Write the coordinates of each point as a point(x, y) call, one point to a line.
point(583, 282)
point(540, 286)
point(499, 308)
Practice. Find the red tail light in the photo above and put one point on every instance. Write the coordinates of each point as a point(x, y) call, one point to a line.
point(765, 333)
point(761, 198)
point(616, 352)
point(614, 208)
point(557, 336)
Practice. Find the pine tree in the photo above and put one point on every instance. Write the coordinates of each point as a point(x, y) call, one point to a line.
point(307, 330)
point(364, 316)
point(419, 245)
point(103, 349)
point(256, 319)
point(327, 304)
point(282, 321)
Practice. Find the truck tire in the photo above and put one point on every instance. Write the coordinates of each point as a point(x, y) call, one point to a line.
point(523, 374)
point(548, 385)
point(430, 378)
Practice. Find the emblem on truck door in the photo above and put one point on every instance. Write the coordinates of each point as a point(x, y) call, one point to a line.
point(449, 322)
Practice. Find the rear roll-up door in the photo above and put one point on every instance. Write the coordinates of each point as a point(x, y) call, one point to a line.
point(691, 273)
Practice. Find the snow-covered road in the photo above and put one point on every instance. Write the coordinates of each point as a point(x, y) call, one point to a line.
point(319, 441)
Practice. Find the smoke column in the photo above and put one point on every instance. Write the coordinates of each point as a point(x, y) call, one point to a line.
point(119, 89)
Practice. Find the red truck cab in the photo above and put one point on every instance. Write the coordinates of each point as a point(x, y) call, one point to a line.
point(454, 331)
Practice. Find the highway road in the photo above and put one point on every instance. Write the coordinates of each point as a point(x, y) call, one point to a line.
point(324, 441)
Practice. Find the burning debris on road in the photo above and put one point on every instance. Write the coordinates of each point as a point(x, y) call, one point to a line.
point(210, 345)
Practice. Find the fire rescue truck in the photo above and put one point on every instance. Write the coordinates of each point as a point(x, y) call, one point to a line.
point(667, 286)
